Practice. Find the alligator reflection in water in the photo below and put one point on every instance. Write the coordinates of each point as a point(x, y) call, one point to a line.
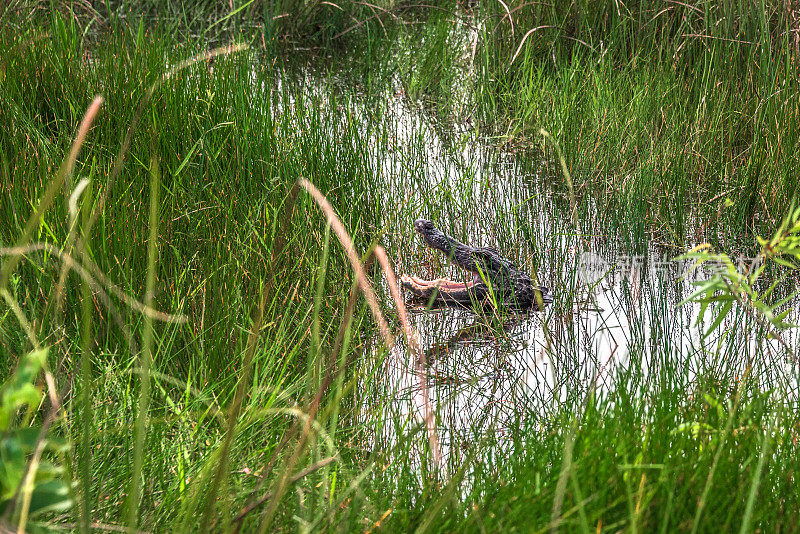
point(482, 376)
point(476, 333)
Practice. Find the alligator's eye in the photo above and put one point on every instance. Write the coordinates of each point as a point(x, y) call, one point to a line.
point(487, 254)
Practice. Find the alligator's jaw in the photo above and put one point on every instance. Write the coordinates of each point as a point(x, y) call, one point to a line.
point(442, 284)
point(442, 291)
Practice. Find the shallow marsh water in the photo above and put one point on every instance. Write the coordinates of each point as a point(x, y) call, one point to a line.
point(615, 322)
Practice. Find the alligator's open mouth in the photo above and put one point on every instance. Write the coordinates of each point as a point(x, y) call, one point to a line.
point(442, 284)
point(443, 291)
point(495, 278)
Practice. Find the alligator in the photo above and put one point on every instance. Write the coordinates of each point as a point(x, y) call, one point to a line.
point(496, 280)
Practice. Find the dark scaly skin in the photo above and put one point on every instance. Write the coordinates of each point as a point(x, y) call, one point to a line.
point(510, 285)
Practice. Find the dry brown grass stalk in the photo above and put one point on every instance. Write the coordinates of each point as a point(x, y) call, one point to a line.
point(369, 294)
point(414, 345)
point(355, 260)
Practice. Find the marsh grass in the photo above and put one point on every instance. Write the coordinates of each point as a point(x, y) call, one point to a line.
point(669, 113)
point(284, 401)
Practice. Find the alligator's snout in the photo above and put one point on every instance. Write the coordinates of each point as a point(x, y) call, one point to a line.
point(424, 225)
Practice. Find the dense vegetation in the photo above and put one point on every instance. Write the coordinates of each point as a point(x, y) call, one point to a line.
point(184, 342)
